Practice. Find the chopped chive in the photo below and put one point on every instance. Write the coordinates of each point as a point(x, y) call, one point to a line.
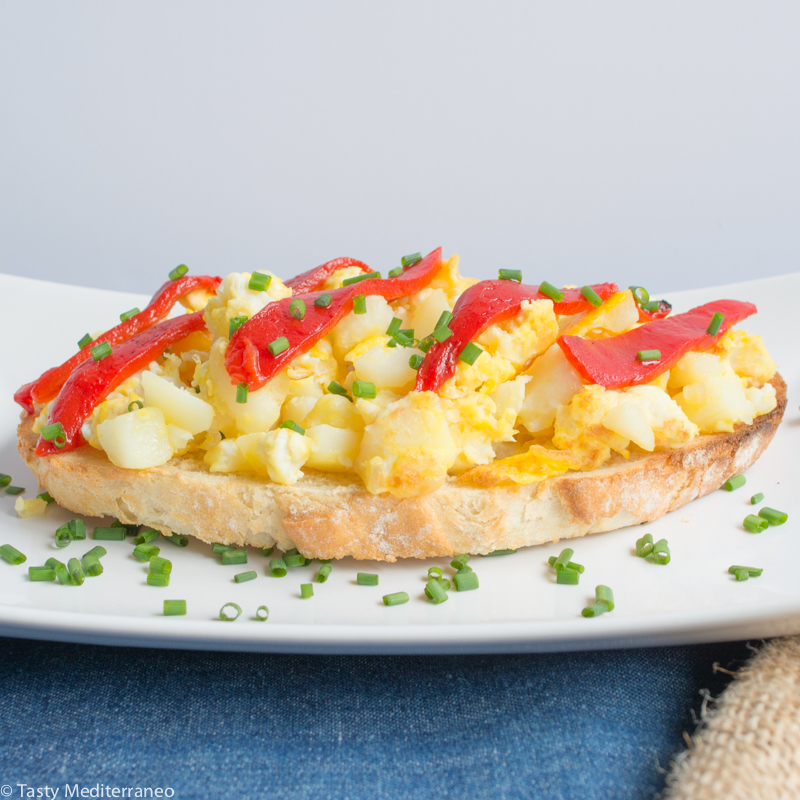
point(755, 524)
point(653, 305)
point(661, 552)
point(100, 351)
point(460, 561)
point(415, 362)
point(325, 560)
point(510, 275)
point(146, 536)
point(14, 490)
point(592, 296)
point(243, 577)
point(403, 340)
point(425, 344)
point(267, 551)
point(567, 576)
point(716, 321)
point(337, 388)
point(435, 572)
point(294, 559)
point(277, 567)
point(174, 608)
point(234, 323)
point(442, 334)
point(4, 480)
point(323, 301)
point(594, 610)
point(126, 315)
point(62, 573)
point(364, 276)
point(292, 426)
point(359, 304)
point(259, 282)
point(160, 566)
point(569, 565)
point(367, 579)
point(465, 581)
point(98, 551)
point(306, 590)
point(41, 574)
point(391, 343)
point(445, 583)
point(466, 568)
point(649, 355)
point(563, 559)
point(435, 591)
point(144, 552)
point(396, 272)
point(84, 340)
point(242, 390)
point(502, 553)
point(234, 557)
point(735, 482)
point(394, 326)
point(365, 389)
point(604, 595)
point(113, 534)
point(409, 261)
point(218, 548)
point(444, 320)
point(91, 565)
point(640, 294)
point(753, 572)
point(78, 528)
point(52, 431)
point(177, 539)
point(396, 599)
point(773, 516)
point(756, 498)
point(644, 546)
point(158, 579)
point(63, 535)
point(548, 290)
point(470, 353)
point(135, 404)
point(323, 573)
point(178, 272)
point(12, 555)
point(297, 308)
point(262, 613)
point(742, 575)
point(278, 345)
point(76, 571)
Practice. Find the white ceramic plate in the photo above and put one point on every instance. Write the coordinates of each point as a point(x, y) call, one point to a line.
point(518, 607)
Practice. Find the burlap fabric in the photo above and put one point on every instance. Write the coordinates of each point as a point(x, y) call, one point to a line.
point(748, 745)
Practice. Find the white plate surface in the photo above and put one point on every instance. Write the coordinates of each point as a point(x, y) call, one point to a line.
point(518, 606)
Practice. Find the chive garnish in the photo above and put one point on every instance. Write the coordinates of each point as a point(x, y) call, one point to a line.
point(91, 565)
point(126, 315)
point(592, 296)
point(146, 536)
point(756, 498)
point(415, 362)
point(243, 577)
point(435, 591)
point(135, 404)
point(306, 590)
point(547, 289)
point(442, 334)
point(367, 579)
point(12, 555)
point(365, 389)
point(100, 351)
point(52, 431)
point(113, 534)
point(234, 323)
point(649, 355)
point(292, 426)
point(408, 261)
point(425, 344)
point(77, 528)
point(735, 482)
point(294, 559)
point(178, 272)
point(773, 516)
point(605, 596)
point(262, 613)
point(98, 551)
point(4, 480)
point(41, 574)
point(234, 557)
point(755, 524)
point(14, 490)
point(218, 548)
point(466, 581)
point(144, 552)
point(503, 553)
point(466, 568)
point(444, 320)
point(510, 275)
point(661, 552)
point(552, 560)
point(177, 539)
point(278, 345)
point(242, 390)
point(76, 571)
point(160, 566)
point(259, 282)
point(157, 579)
point(364, 276)
point(716, 321)
point(337, 388)
point(470, 353)
point(594, 610)
point(753, 572)
point(640, 294)
point(644, 546)
point(359, 304)
point(394, 326)
point(563, 559)
point(460, 561)
point(323, 301)
point(396, 599)
point(277, 567)
point(63, 536)
point(83, 341)
point(297, 308)
point(174, 608)
point(62, 573)
point(435, 572)
point(396, 272)
point(742, 575)
point(323, 573)
point(567, 576)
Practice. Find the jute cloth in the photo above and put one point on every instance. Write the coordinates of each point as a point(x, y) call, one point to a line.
point(748, 744)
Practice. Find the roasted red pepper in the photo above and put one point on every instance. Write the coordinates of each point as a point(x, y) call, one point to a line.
point(663, 310)
point(248, 359)
point(312, 279)
point(482, 305)
point(49, 383)
point(93, 380)
point(612, 362)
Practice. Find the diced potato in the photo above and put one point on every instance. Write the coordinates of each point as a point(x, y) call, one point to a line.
point(630, 421)
point(354, 328)
point(524, 336)
point(336, 448)
point(695, 367)
point(283, 452)
point(136, 440)
point(336, 411)
point(554, 382)
point(762, 398)
point(227, 456)
point(716, 404)
point(30, 508)
point(749, 357)
point(297, 408)
point(618, 314)
point(181, 407)
point(509, 397)
point(386, 367)
point(179, 438)
point(425, 313)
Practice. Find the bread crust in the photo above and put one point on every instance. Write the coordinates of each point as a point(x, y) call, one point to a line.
point(333, 516)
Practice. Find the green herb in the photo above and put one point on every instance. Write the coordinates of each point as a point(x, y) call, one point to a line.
point(14, 490)
point(394, 326)
point(98, 552)
point(502, 553)
point(640, 294)
point(243, 577)
point(174, 608)
point(567, 576)
point(604, 595)
point(470, 353)
point(218, 548)
point(735, 482)
point(63, 535)
point(52, 431)
point(571, 565)
point(396, 272)
point(563, 559)
point(62, 573)
point(649, 355)
point(77, 528)
point(76, 571)
point(364, 276)
point(306, 590)
point(359, 304)
point(277, 567)
point(113, 534)
point(771, 515)
point(278, 345)
point(742, 575)
point(465, 581)
point(234, 323)
point(158, 579)
point(548, 290)
point(444, 320)
point(752, 572)
point(594, 610)
point(435, 591)
point(41, 574)
point(396, 599)
point(259, 282)
point(267, 551)
point(716, 321)
point(144, 552)
point(125, 316)
point(160, 566)
point(100, 351)
point(292, 426)
point(234, 557)
point(323, 301)
point(459, 562)
point(337, 388)
point(755, 524)
point(91, 565)
point(415, 362)
point(756, 498)
point(297, 308)
point(409, 261)
point(661, 553)
point(435, 572)
point(146, 536)
point(367, 579)
point(510, 275)
point(442, 334)
point(262, 613)
point(592, 296)
point(365, 389)
point(323, 573)
point(135, 404)
point(84, 340)
point(178, 272)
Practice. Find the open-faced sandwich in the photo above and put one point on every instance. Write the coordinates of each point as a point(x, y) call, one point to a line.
point(419, 414)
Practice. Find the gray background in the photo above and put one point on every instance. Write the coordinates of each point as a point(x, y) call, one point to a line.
point(647, 142)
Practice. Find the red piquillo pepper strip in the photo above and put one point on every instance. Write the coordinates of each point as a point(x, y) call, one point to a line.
point(49, 383)
point(312, 279)
point(93, 380)
point(482, 305)
point(248, 359)
point(612, 362)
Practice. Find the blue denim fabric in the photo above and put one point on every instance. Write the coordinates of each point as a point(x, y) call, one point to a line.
point(208, 725)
